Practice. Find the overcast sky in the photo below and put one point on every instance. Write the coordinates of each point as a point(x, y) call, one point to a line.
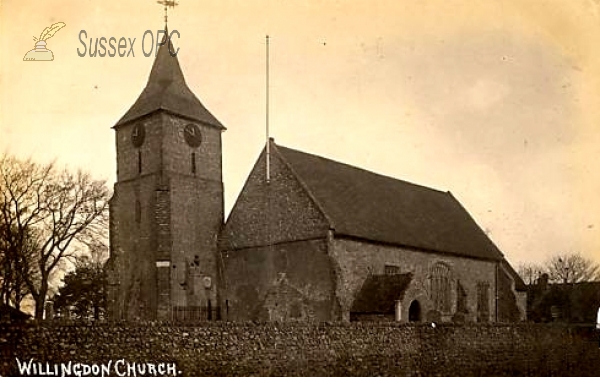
point(495, 101)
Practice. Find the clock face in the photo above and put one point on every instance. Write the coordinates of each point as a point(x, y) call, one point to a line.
point(138, 133)
point(192, 135)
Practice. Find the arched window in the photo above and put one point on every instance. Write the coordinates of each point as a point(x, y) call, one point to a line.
point(483, 302)
point(440, 287)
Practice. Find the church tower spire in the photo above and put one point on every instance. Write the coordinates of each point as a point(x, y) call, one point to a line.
point(167, 90)
point(167, 207)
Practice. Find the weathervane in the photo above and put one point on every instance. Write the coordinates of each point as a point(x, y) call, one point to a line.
point(167, 3)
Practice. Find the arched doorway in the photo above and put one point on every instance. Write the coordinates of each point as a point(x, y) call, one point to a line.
point(414, 311)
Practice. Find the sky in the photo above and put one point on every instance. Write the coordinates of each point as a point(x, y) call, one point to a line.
point(495, 101)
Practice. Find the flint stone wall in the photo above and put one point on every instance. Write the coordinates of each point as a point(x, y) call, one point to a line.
point(304, 349)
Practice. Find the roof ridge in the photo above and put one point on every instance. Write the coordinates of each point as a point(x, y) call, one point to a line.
point(367, 171)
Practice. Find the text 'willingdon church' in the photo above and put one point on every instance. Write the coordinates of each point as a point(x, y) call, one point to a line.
point(318, 240)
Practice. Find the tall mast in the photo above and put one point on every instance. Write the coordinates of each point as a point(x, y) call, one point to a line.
point(267, 112)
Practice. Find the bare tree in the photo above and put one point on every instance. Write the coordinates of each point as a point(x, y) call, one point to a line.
point(530, 272)
point(51, 210)
point(14, 266)
point(571, 268)
point(20, 187)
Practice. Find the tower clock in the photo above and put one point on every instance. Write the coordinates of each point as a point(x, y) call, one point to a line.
point(138, 134)
point(192, 135)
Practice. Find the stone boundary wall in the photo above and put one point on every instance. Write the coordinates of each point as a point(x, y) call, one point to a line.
point(295, 349)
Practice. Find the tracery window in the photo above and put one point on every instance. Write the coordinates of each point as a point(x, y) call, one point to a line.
point(483, 302)
point(441, 287)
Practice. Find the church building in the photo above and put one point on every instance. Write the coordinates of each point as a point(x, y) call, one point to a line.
point(308, 239)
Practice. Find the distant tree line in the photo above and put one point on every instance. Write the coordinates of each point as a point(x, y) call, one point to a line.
point(48, 218)
point(561, 268)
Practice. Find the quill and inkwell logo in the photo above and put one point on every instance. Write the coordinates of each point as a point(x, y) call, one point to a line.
point(40, 52)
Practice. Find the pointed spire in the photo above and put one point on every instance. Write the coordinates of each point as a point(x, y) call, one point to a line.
point(166, 70)
point(167, 90)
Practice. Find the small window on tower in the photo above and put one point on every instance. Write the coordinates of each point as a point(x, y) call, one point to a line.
point(138, 211)
point(139, 162)
point(194, 163)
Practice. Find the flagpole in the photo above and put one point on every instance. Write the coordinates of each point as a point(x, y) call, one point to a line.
point(267, 112)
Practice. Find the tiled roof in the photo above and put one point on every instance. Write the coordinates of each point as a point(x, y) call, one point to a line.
point(379, 293)
point(519, 283)
point(9, 313)
point(166, 90)
point(366, 205)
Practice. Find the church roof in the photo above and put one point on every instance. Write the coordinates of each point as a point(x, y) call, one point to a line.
point(365, 205)
point(379, 293)
point(8, 313)
point(519, 283)
point(167, 90)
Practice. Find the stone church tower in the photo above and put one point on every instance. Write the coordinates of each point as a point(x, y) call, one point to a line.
point(167, 208)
